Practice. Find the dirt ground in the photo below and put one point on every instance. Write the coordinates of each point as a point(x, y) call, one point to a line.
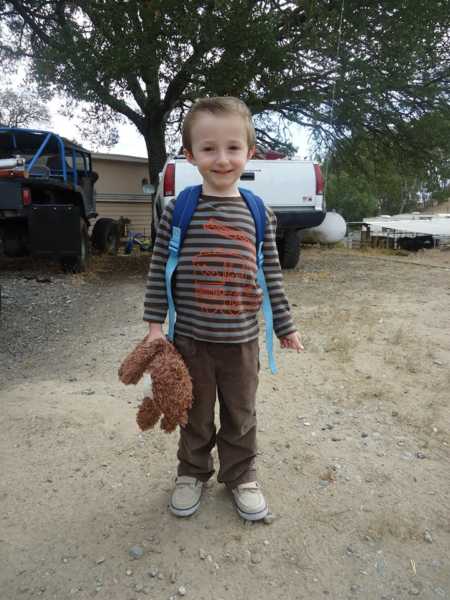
point(354, 441)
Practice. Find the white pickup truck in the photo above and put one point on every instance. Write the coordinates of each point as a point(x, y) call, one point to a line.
point(292, 188)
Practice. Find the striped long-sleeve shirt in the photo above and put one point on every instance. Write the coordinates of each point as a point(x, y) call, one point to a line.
point(214, 286)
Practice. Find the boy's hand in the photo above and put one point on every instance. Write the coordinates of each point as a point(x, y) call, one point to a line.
point(154, 332)
point(293, 341)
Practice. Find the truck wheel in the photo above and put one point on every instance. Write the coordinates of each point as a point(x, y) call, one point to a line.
point(290, 249)
point(105, 236)
point(78, 264)
point(280, 250)
point(12, 244)
point(15, 240)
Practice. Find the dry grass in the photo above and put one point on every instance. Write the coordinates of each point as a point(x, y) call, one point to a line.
point(342, 347)
point(400, 359)
point(98, 263)
point(316, 276)
point(398, 337)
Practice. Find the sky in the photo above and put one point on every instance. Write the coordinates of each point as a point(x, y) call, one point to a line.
point(131, 142)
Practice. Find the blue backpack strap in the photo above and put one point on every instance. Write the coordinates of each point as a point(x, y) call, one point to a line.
point(258, 211)
point(184, 208)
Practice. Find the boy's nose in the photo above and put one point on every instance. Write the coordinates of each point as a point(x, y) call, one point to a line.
point(222, 156)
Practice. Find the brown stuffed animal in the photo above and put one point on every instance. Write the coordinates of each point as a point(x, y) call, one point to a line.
point(171, 384)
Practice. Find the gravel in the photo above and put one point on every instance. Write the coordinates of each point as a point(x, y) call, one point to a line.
point(45, 312)
point(34, 314)
point(64, 446)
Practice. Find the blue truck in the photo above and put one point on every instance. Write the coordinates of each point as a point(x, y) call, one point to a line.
point(47, 200)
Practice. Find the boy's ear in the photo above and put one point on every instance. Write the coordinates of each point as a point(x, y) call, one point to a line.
point(188, 154)
point(251, 152)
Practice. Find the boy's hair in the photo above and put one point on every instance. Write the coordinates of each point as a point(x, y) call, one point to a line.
point(218, 105)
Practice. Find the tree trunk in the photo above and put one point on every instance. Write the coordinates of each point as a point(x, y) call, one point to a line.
point(154, 135)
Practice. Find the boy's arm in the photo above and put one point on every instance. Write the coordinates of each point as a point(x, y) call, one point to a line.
point(155, 301)
point(282, 320)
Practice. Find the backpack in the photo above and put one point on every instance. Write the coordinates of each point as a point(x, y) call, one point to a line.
point(185, 206)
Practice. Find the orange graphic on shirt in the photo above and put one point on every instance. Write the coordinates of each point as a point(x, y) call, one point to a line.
point(224, 277)
point(230, 233)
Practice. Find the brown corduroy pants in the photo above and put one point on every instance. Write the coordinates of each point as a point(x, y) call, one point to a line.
point(229, 372)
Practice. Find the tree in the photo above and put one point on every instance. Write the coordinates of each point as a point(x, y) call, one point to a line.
point(351, 196)
point(22, 108)
point(147, 60)
point(391, 175)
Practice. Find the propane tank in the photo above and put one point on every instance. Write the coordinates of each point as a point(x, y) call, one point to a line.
point(332, 229)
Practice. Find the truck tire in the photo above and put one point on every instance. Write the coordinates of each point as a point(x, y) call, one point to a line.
point(13, 241)
point(290, 249)
point(78, 264)
point(105, 236)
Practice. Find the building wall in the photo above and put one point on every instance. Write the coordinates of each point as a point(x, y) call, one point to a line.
point(118, 176)
point(119, 190)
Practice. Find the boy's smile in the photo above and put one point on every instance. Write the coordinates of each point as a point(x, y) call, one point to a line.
point(220, 152)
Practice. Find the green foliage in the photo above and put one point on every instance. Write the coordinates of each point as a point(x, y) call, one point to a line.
point(442, 195)
point(149, 59)
point(350, 196)
point(393, 168)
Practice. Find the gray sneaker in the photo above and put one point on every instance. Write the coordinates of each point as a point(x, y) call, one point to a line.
point(250, 502)
point(185, 498)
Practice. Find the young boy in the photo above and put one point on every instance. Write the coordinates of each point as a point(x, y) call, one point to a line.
point(217, 299)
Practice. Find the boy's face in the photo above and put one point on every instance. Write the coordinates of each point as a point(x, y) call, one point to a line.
point(220, 152)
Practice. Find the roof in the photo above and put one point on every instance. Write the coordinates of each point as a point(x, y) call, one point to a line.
point(437, 225)
point(119, 157)
point(29, 140)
